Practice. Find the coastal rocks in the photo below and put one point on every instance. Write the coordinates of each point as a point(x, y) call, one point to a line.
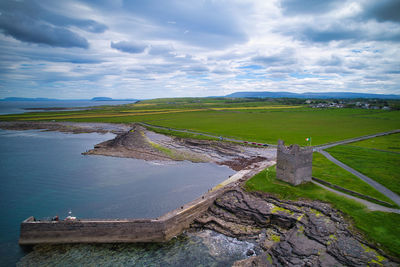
point(130, 144)
point(289, 233)
point(67, 127)
point(141, 143)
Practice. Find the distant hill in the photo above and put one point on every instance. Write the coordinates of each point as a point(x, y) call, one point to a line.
point(339, 95)
point(101, 98)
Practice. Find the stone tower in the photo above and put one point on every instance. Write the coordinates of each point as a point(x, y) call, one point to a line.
point(294, 164)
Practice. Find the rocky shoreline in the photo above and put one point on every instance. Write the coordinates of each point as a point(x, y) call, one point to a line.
point(140, 143)
point(135, 141)
point(290, 233)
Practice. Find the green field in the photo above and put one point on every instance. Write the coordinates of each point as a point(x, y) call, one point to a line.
point(386, 143)
point(381, 228)
point(258, 121)
point(381, 166)
point(328, 171)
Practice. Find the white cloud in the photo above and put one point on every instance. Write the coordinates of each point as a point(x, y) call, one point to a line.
point(199, 48)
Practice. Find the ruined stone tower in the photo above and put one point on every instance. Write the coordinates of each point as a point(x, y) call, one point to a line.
point(293, 164)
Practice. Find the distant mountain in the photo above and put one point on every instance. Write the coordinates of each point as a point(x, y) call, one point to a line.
point(340, 95)
point(101, 98)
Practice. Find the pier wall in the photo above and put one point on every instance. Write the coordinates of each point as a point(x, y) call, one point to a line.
point(128, 230)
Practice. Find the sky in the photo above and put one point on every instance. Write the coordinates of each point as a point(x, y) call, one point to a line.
point(76, 49)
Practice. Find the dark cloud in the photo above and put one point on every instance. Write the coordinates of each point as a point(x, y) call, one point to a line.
point(351, 28)
point(161, 50)
point(343, 32)
point(383, 10)
point(154, 68)
point(296, 7)
point(284, 57)
point(128, 47)
point(29, 21)
point(332, 33)
point(31, 53)
point(27, 30)
point(195, 69)
point(332, 61)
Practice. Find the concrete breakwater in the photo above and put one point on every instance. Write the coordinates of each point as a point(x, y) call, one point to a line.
point(130, 230)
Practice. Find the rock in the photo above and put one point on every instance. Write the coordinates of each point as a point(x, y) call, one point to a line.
point(250, 252)
point(290, 233)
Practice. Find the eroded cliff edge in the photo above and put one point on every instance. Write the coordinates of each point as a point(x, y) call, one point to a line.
point(290, 233)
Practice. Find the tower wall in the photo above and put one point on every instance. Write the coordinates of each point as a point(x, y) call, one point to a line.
point(294, 164)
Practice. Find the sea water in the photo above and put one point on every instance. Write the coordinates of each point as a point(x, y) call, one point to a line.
point(44, 174)
point(15, 107)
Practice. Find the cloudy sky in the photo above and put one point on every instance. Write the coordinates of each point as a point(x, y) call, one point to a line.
point(166, 48)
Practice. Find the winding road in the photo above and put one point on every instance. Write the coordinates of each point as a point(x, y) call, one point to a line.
point(393, 196)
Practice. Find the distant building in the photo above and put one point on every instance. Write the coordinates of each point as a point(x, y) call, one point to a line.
point(294, 164)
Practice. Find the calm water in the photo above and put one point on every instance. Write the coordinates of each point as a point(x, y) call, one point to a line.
point(43, 174)
point(14, 107)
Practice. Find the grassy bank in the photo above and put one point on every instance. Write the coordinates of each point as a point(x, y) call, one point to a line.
point(381, 166)
point(378, 227)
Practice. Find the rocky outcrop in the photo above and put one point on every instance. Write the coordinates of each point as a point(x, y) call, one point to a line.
point(130, 144)
point(141, 143)
point(290, 233)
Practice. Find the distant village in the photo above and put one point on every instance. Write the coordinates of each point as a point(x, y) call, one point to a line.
point(366, 104)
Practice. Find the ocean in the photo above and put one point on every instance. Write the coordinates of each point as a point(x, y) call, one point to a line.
point(43, 174)
point(16, 107)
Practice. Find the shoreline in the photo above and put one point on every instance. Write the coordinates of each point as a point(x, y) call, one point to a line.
point(135, 141)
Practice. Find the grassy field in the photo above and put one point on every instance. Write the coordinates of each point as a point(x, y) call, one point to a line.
point(384, 143)
point(381, 166)
point(380, 228)
point(330, 172)
point(255, 120)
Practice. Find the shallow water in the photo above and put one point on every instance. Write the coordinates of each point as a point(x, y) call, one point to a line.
point(204, 248)
point(44, 174)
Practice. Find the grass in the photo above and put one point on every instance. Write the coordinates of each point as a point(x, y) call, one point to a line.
point(381, 166)
point(381, 228)
point(263, 122)
point(330, 172)
point(180, 134)
point(386, 143)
